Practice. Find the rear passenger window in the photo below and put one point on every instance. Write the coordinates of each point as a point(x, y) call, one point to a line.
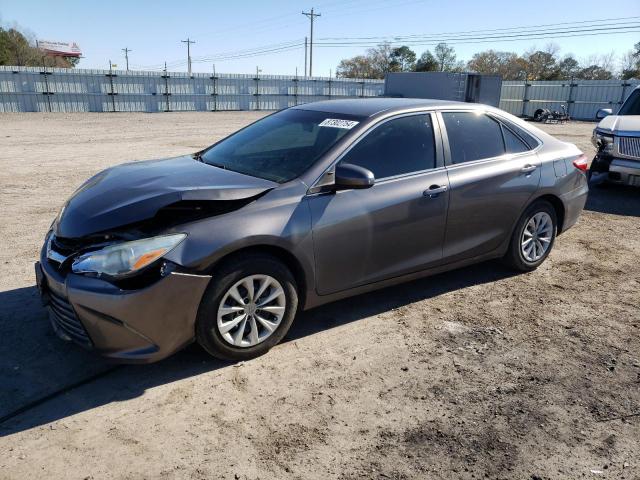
point(513, 142)
point(529, 139)
point(399, 146)
point(472, 136)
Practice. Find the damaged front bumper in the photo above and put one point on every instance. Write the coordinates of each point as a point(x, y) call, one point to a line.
point(133, 326)
point(617, 170)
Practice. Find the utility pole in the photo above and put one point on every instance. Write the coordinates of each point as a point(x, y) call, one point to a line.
point(126, 56)
point(305, 57)
point(311, 17)
point(188, 42)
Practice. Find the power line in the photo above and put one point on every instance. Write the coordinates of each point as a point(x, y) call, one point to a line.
point(497, 30)
point(462, 37)
point(311, 17)
point(296, 42)
point(267, 49)
point(252, 54)
point(490, 38)
point(188, 42)
point(126, 56)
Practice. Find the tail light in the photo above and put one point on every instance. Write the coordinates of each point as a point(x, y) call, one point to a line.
point(581, 163)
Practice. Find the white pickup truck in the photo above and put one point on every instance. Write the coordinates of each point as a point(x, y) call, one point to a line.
point(617, 139)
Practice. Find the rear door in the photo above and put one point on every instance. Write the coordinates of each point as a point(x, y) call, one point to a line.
point(395, 227)
point(493, 172)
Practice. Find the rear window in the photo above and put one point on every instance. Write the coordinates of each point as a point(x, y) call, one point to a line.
point(473, 136)
point(513, 143)
point(531, 141)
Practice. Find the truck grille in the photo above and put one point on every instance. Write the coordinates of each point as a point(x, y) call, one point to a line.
point(67, 321)
point(629, 146)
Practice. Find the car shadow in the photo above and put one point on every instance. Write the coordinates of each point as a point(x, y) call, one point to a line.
point(614, 199)
point(46, 379)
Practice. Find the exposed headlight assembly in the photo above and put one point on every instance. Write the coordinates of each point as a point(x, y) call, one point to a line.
point(123, 259)
point(602, 141)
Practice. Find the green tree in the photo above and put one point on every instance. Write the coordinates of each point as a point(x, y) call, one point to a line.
point(373, 64)
point(427, 63)
point(507, 64)
point(17, 50)
point(594, 72)
point(446, 57)
point(542, 66)
point(631, 63)
point(403, 59)
point(568, 67)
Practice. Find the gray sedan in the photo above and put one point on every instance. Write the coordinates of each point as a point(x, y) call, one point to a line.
point(306, 206)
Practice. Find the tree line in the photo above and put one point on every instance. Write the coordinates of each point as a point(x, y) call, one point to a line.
point(16, 49)
point(534, 64)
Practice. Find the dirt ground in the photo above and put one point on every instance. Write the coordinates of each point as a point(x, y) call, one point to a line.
point(472, 374)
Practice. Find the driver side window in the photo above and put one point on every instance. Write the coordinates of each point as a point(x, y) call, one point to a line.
point(397, 147)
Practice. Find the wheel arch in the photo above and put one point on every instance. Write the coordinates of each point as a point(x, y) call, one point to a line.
point(557, 205)
point(282, 254)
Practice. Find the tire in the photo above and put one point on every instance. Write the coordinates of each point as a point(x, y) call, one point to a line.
point(516, 256)
point(241, 271)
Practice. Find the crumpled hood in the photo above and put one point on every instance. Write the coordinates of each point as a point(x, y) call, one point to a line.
point(134, 192)
point(617, 124)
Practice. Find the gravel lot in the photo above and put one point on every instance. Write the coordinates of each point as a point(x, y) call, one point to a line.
point(476, 373)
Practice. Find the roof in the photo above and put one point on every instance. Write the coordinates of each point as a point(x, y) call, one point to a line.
point(367, 107)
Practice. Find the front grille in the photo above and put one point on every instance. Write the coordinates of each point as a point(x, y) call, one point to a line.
point(67, 321)
point(629, 146)
point(63, 246)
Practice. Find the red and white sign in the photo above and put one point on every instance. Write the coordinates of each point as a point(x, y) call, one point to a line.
point(63, 49)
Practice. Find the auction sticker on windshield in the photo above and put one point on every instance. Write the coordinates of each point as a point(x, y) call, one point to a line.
point(338, 123)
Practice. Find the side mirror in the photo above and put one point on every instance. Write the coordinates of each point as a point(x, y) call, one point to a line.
point(350, 176)
point(603, 112)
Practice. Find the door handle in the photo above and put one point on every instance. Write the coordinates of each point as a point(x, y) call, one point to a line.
point(434, 190)
point(528, 168)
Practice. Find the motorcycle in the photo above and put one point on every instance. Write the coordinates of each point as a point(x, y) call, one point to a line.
point(544, 115)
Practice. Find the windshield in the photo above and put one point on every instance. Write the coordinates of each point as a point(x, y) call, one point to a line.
point(281, 146)
point(632, 105)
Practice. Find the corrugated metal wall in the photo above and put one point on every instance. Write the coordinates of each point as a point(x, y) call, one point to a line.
point(582, 98)
point(29, 89)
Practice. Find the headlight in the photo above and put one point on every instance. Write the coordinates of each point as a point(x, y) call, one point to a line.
point(602, 141)
point(126, 258)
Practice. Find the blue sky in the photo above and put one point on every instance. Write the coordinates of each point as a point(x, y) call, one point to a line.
point(153, 29)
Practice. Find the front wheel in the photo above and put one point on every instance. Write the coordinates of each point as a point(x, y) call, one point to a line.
point(533, 237)
point(248, 308)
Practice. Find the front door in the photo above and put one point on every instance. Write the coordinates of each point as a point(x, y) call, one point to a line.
point(393, 228)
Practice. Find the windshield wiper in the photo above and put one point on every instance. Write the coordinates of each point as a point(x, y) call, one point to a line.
point(198, 156)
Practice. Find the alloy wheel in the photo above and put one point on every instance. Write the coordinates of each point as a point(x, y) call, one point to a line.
point(536, 237)
point(251, 310)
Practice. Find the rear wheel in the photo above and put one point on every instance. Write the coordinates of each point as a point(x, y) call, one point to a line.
point(247, 309)
point(539, 115)
point(533, 237)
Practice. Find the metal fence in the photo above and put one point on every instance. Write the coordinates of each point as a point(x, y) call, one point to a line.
point(32, 89)
point(582, 98)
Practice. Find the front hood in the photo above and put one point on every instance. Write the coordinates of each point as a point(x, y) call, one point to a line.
point(626, 125)
point(134, 192)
